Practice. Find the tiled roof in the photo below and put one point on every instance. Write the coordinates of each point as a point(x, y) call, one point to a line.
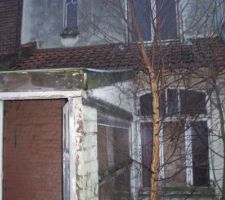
point(103, 56)
point(119, 56)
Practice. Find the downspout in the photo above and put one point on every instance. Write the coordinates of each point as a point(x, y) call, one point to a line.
point(219, 19)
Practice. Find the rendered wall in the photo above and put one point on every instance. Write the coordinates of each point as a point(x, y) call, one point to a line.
point(120, 94)
point(197, 18)
point(97, 22)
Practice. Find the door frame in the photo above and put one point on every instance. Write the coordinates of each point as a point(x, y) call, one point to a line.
point(73, 98)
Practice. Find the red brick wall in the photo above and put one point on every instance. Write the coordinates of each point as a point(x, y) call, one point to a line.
point(32, 150)
point(10, 25)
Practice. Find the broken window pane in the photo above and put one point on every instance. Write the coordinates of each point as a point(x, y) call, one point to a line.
point(200, 157)
point(146, 144)
point(192, 102)
point(146, 105)
point(172, 101)
point(174, 153)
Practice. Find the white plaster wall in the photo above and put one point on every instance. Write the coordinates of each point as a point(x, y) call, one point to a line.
point(120, 94)
point(217, 155)
point(196, 18)
point(123, 95)
point(97, 22)
point(42, 21)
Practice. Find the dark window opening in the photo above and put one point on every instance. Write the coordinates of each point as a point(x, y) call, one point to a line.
point(200, 154)
point(166, 19)
point(162, 105)
point(142, 12)
point(146, 108)
point(146, 144)
point(192, 102)
point(146, 105)
point(172, 101)
point(71, 14)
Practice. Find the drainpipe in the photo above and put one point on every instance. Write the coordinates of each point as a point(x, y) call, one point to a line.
point(219, 19)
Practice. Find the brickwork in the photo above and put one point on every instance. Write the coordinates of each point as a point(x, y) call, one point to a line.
point(32, 150)
point(10, 25)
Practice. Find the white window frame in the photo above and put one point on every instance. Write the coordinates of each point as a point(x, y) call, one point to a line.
point(188, 141)
point(153, 8)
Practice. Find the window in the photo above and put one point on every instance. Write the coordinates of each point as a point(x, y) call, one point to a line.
point(113, 161)
point(165, 13)
point(184, 137)
point(166, 19)
point(70, 20)
point(143, 19)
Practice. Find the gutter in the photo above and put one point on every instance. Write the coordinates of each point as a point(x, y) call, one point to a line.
point(69, 69)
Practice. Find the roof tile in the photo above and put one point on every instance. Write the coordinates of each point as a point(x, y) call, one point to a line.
point(112, 56)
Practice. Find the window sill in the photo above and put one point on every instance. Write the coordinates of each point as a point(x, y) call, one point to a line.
point(188, 191)
point(69, 41)
point(182, 192)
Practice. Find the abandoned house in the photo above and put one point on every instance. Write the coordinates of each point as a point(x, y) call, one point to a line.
point(76, 104)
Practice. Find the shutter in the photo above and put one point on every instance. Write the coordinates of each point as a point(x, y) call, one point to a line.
point(66, 154)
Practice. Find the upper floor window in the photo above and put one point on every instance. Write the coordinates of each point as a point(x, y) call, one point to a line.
point(142, 15)
point(166, 19)
point(164, 11)
point(70, 20)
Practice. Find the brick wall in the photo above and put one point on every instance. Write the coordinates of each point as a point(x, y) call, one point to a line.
point(10, 25)
point(32, 150)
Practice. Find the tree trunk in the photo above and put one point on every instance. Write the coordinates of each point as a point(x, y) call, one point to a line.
point(156, 126)
point(155, 156)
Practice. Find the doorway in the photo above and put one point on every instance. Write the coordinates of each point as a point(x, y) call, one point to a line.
point(32, 149)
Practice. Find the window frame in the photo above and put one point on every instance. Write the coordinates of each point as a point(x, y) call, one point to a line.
point(110, 121)
point(187, 133)
point(154, 13)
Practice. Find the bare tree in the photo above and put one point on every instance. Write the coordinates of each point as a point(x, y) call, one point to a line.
point(157, 63)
